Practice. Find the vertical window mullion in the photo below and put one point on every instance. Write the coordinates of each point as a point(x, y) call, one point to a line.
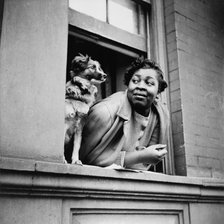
point(107, 11)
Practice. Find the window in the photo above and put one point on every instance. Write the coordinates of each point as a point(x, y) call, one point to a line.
point(123, 24)
point(96, 8)
point(104, 34)
point(126, 14)
point(114, 33)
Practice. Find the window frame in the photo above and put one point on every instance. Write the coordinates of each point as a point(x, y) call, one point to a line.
point(100, 29)
point(153, 44)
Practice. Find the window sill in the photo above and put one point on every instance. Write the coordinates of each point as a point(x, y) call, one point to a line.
point(62, 180)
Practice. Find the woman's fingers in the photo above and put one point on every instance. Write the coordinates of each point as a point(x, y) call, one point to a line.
point(160, 146)
point(162, 153)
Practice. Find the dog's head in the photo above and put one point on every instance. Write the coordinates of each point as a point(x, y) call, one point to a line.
point(87, 68)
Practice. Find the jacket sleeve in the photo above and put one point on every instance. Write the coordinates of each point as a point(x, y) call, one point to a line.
point(98, 123)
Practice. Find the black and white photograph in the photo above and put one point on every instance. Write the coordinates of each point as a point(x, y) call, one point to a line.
point(111, 111)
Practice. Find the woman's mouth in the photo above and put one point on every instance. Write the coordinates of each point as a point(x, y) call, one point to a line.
point(139, 96)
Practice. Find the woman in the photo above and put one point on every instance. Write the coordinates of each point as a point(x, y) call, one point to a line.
point(129, 128)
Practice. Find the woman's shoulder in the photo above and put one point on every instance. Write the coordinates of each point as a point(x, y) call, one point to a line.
point(112, 102)
point(115, 98)
point(108, 106)
point(162, 109)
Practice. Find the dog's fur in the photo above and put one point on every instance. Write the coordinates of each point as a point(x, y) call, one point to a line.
point(80, 95)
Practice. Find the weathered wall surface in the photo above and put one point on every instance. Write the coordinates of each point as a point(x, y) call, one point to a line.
point(32, 76)
point(195, 34)
point(53, 193)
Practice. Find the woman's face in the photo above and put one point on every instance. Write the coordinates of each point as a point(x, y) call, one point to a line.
point(143, 89)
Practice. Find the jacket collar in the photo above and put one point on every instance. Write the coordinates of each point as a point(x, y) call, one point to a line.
point(125, 109)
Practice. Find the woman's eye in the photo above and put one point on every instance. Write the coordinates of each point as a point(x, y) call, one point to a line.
point(135, 81)
point(149, 83)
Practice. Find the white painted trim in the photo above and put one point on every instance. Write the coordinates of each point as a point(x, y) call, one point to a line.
point(159, 54)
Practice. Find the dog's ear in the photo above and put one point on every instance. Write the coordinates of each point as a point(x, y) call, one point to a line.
point(81, 55)
point(88, 58)
point(72, 74)
point(79, 63)
point(80, 58)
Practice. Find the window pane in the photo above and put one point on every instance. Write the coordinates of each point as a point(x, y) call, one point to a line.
point(94, 8)
point(123, 14)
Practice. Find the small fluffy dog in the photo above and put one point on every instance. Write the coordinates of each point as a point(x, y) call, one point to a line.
point(80, 95)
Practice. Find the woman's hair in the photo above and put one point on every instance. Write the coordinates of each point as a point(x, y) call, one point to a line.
point(145, 63)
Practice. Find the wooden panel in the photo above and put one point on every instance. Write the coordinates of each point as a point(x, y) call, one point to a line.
point(124, 217)
point(130, 212)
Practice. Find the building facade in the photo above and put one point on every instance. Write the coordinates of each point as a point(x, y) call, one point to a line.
point(38, 40)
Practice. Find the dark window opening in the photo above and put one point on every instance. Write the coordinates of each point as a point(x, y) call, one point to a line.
point(113, 62)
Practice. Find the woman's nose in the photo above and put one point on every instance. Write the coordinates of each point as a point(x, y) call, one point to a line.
point(141, 84)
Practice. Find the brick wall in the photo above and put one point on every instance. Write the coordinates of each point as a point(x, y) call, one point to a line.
point(195, 46)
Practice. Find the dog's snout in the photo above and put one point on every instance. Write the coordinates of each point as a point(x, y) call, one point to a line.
point(103, 76)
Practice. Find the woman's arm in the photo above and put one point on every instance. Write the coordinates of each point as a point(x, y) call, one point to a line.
point(151, 155)
point(97, 124)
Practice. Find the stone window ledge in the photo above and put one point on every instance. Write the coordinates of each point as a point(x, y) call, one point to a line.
point(21, 176)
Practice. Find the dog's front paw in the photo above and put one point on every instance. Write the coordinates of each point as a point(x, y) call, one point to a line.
point(77, 162)
point(64, 160)
point(73, 91)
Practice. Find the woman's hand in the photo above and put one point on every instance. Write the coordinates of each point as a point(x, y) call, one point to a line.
point(152, 154)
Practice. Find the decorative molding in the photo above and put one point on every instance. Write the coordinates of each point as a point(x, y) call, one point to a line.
point(126, 215)
point(33, 178)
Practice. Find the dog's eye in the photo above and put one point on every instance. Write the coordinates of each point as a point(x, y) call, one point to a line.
point(92, 66)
